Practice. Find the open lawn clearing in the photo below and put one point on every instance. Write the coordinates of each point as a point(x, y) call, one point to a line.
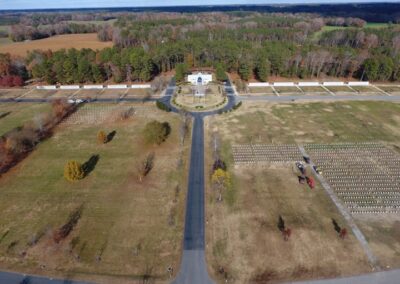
point(313, 122)
point(127, 229)
point(13, 115)
point(317, 35)
point(97, 114)
point(242, 231)
point(340, 89)
point(395, 90)
point(63, 93)
point(54, 43)
point(86, 94)
point(37, 94)
point(5, 40)
point(382, 233)
point(141, 93)
point(12, 93)
point(261, 90)
point(365, 89)
point(309, 89)
point(288, 90)
point(114, 94)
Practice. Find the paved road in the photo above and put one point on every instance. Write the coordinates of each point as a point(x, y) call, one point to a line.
point(193, 268)
point(16, 278)
point(383, 277)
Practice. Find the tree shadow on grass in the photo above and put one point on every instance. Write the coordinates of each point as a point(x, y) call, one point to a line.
point(4, 114)
point(336, 226)
point(111, 135)
point(167, 128)
point(90, 164)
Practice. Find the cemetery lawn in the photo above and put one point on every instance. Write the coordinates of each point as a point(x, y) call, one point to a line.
point(13, 115)
point(128, 229)
point(242, 233)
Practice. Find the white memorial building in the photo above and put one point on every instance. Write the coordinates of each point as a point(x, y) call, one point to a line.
point(199, 79)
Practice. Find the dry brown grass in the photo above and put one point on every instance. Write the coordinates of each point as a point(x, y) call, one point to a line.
point(242, 234)
point(244, 238)
point(54, 43)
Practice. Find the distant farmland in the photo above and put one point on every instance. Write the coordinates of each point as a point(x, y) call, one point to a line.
point(77, 41)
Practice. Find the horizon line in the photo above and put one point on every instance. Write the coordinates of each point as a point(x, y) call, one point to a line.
point(288, 3)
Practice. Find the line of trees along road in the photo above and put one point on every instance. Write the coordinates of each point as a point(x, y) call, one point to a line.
point(250, 44)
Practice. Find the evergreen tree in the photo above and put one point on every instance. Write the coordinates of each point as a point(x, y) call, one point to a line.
point(220, 72)
point(180, 72)
point(262, 69)
point(244, 71)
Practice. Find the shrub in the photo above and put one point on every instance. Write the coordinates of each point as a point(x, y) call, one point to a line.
point(221, 180)
point(101, 137)
point(237, 105)
point(73, 171)
point(219, 164)
point(156, 132)
point(163, 106)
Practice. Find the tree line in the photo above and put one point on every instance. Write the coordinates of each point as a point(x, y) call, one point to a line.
point(250, 44)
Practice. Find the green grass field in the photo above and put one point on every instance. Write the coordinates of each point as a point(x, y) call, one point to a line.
point(14, 115)
point(318, 34)
point(135, 228)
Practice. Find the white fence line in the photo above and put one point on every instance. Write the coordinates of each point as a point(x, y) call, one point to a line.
point(46, 87)
point(264, 84)
point(93, 86)
point(143, 86)
point(117, 87)
point(70, 87)
point(304, 84)
point(283, 84)
point(87, 87)
point(358, 83)
point(333, 83)
point(309, 84)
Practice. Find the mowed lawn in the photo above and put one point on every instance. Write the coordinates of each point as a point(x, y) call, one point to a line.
point(13, 115)
point(313, 123)
point(128, 229)
point(54, 43)
point(242, 233)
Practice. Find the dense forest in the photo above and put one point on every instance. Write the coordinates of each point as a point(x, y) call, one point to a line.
point(253, 44)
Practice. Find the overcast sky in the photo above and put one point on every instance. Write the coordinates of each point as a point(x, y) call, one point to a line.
point(43, 4)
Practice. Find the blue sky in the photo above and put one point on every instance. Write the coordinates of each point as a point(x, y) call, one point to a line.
point(41, 4)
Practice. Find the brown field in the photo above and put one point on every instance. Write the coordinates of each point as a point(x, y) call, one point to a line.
point(77, 41)
point(242, 233)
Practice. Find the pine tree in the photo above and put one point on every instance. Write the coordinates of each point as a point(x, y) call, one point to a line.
point(244, 71)
point(220, 72)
